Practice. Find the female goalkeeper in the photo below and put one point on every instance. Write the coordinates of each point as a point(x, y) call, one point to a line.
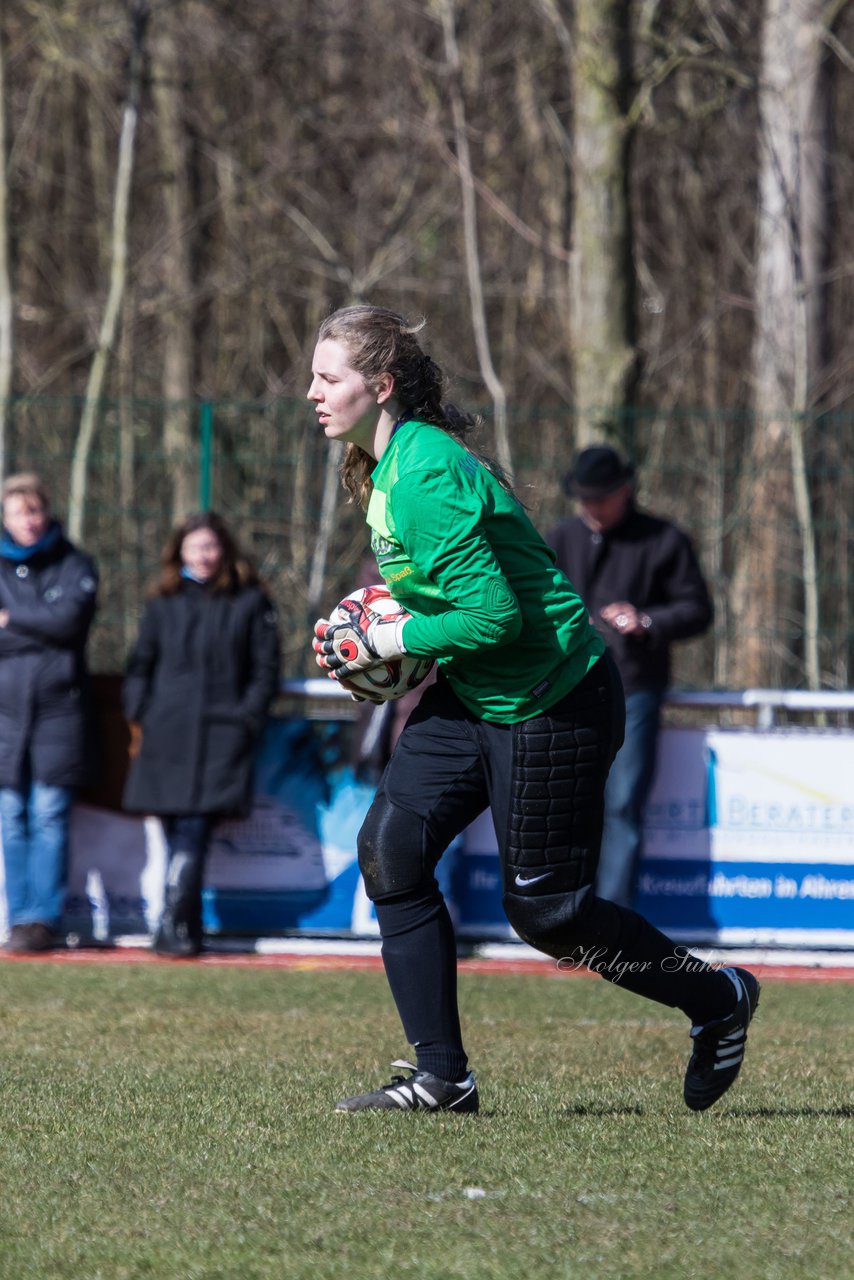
point(526, 717)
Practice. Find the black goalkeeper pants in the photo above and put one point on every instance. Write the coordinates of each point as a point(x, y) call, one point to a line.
point(544, 779)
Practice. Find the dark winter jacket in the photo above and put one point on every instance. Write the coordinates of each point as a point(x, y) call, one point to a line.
point(199, 682)
point(50, 597)
point(649, 563)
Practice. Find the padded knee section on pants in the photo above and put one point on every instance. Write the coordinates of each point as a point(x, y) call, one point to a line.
point(560, 763)
point(549, 922)
point(391, 851)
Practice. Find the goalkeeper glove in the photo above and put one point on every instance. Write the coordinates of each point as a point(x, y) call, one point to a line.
point(344, 648)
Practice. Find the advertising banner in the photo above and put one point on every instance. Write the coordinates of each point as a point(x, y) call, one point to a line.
point(750, 838)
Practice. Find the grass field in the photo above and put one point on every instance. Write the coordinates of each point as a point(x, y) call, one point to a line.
point(169, 1121)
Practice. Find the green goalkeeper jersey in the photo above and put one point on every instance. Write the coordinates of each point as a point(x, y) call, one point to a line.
point(487, 600)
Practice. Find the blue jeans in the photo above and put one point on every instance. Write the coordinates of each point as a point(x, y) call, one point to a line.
point(626, 792)
point(34, 819)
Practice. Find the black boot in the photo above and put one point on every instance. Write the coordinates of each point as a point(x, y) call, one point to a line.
point(180, 930)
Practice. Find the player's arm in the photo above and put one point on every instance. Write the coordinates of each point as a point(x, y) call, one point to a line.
point(439, 520)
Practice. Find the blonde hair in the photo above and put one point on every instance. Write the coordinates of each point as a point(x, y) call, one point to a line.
point(25, 484)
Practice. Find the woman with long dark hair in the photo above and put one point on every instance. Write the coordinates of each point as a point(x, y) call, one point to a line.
point(526, 717)
point(197, 688)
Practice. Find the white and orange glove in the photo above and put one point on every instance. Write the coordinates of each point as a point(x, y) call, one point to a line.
point(344, 648)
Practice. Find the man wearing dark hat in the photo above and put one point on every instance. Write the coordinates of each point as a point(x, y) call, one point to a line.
point(639, 577)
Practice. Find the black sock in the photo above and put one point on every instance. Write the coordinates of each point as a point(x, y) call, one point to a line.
point(623, 947)
point(420, 957)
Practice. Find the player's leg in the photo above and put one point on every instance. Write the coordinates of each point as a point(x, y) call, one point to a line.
point(432, 788)
point(549, 832)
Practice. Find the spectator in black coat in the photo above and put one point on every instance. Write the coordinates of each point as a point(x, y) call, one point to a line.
point(47, 603)
point(197, 689)
point(642, 584)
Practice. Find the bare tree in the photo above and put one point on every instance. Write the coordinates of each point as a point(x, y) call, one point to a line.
point(774, 570)
point(472, 254)
point(626, 137)
point(118, 272)
point(5, 276)
point(175, 267)
point(601, 294)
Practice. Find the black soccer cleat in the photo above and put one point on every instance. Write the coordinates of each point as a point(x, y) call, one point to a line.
point(719, 1046)
point(422, 1091)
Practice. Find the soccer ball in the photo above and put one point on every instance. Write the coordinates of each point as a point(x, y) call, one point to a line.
point(392, 679)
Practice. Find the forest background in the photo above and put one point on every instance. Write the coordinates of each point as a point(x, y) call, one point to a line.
point(628, 219)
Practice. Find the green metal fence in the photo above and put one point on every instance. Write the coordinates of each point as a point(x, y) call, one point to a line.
point(725, 477)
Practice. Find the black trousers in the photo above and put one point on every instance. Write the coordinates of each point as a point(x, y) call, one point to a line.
point(188, 839)
point(544, 779)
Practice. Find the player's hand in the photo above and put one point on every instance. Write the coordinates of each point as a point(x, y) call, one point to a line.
point(344, 648)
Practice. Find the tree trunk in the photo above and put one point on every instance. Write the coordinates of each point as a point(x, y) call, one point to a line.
point(775, 583)
point(176, 271)
point(118, 274)
point(5, 276)
point(328, 506)
point(474, 272)
point(604, 357)
point(125, 529)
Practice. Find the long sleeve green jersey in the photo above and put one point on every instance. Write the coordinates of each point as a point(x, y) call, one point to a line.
point(487, 600)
